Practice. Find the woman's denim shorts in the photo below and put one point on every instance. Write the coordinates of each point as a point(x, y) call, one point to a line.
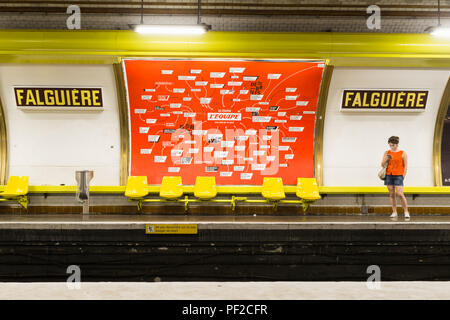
point(392, 180)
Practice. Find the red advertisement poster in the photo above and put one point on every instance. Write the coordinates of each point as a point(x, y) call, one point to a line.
point(239, 121)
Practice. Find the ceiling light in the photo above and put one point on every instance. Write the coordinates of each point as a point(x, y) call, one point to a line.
point(441, 32)
point(177, 29)
point(196, 29)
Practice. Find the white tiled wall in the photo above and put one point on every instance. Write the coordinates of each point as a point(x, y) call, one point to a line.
point(354, 142)
point(49, 146)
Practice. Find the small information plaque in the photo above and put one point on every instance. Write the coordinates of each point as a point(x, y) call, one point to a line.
point(171, 229)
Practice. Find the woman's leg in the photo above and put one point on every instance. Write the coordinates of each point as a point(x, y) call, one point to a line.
point(399, 191)
point(393, 199)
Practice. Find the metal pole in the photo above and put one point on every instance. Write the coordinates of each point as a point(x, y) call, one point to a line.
point(439, 13)
point(199, 7)
point(142, 11)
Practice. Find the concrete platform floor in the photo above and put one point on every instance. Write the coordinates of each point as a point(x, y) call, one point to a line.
point(226, 291)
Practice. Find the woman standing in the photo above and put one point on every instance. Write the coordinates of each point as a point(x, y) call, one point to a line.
point(395, 173)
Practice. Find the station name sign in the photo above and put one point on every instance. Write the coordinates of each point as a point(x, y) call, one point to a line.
point(58, 97)
point(384, 99)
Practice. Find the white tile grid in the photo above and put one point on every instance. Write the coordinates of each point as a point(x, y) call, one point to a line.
point(223, 23)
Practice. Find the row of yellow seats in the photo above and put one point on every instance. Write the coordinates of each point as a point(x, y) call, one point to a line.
point(172, 189)
point(205, 189)
point(16, 190)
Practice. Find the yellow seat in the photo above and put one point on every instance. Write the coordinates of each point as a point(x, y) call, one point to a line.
point(273, 189)
point(205, 188)
point(307, 189)
point(171, 188)
point(16, 187)
point(137, 187)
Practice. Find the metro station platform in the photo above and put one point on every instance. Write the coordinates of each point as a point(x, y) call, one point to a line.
point(420, 290)
point(222, 222)
point(118, 248)
point(215, 150)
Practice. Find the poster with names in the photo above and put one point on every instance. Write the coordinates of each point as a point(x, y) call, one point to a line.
point(239, 121)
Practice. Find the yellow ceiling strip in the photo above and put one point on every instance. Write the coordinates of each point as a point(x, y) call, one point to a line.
point(109, 46)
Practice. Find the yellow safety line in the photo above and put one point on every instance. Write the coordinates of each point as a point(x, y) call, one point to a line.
point(246, 189)
point(378, 190)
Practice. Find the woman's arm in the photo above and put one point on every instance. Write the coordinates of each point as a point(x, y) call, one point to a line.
point(385, 159)
point(405, 162)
